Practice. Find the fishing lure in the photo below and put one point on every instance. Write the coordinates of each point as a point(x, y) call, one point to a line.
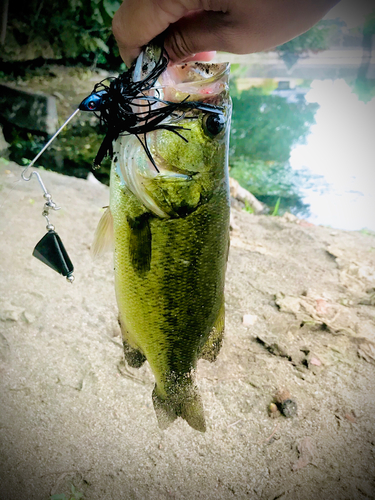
point(127, 105)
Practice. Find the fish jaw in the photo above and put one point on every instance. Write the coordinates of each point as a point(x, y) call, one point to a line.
point(195, 81)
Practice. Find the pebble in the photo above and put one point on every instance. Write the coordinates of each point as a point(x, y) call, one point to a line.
point(249, 319)
point(285, 403)
point(9, 312)
point(273, 411)
point(315, 361)
point(28, 317)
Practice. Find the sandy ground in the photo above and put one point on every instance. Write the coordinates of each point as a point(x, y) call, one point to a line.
point(72, 413)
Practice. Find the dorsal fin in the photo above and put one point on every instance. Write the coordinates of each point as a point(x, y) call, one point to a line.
point(103, 238)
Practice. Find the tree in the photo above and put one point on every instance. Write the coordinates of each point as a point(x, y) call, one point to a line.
point(55, 30)
point(363, 86)
point(265, 128)
point(316, 39)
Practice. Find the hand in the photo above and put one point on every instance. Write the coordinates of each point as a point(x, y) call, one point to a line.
point(193, 27)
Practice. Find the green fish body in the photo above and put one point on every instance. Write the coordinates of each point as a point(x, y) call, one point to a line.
point(171, 241)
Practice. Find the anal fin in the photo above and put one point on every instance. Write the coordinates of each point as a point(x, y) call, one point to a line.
point(134, 357)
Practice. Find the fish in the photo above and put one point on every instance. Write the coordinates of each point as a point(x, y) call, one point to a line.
point(169, 227)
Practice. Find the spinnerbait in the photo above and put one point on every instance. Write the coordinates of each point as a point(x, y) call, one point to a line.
point(115, 106)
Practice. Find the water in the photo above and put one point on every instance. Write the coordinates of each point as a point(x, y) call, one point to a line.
point(341, 150)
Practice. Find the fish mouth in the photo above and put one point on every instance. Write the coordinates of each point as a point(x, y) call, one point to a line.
point(196, 81)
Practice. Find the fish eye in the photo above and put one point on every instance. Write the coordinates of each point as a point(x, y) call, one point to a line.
point(213, 124)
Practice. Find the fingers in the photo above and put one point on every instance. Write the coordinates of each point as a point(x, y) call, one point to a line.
point(202, 56)
point(199, 32)
point(196, 26)
point(243, 26)
point(138, 21)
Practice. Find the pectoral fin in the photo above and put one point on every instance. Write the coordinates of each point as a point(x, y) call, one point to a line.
point(140, 243)
point(103, 238)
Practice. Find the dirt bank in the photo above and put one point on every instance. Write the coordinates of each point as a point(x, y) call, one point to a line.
point(71, 413)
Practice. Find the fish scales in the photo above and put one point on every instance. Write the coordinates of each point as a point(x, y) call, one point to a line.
point(171, 241)
point(169, 310)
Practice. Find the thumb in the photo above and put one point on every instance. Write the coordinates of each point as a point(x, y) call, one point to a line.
point(137, 22)
point(199, 32)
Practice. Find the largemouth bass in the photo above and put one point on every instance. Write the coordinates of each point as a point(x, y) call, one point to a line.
point(171, 239)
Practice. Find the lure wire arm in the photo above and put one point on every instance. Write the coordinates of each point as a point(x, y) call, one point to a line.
point(46, 195)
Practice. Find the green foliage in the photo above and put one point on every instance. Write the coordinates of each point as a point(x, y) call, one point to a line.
point(363, 86)
point(270, 182)
point(70, 29)
point(74, 495)
point(368, 232)
point(276, 208)
point(264, 130)
point(260, 177)
point(248, 208)
point(369, 26)
point(72, 153)
point(266, 127)
point(315, 39)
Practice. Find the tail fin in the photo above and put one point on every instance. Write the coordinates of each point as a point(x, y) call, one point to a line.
point(187, 404)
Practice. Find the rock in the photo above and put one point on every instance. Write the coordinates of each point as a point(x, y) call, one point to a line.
point(91, 178)
point(243, 195)
point(273, 346)
point(365, 348)
point(285, 403)
point(315, 361)
point(3, 143)
point(28, 317)
point(29, 110)
point(273, 411)
point(236, 204)
point(287, 304)
point(282, 395)
point(349, 416)
point(249, 319)
point(233, 225)
point(306, 452)
point(288, 217)
point(9, 312)
point(288, 408)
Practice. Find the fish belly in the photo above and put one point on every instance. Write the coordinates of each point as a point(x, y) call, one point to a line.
point(170, 302)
